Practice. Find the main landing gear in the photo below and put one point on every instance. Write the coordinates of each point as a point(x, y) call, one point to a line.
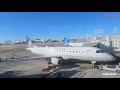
point(93, 63)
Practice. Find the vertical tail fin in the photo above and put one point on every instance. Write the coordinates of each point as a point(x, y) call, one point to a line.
point(66, 42)
point(30, 44)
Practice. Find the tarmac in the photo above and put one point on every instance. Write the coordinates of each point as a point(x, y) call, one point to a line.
point(35, 69)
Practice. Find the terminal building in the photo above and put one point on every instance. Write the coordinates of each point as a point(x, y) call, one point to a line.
point(106, 43)
point(109, 44)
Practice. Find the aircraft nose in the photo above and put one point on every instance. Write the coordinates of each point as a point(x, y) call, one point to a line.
point(112, 58)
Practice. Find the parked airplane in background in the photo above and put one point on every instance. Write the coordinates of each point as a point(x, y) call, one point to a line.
point(68, 43)
point(56, 54)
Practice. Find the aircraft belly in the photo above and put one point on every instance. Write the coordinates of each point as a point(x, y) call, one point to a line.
point(74, 57)
point(97, 59)
point(85, 58)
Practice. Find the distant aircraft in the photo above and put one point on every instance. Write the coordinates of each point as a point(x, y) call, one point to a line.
point(68, 43)
point(57, 54)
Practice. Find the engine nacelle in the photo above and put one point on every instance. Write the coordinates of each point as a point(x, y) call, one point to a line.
point(55, 61)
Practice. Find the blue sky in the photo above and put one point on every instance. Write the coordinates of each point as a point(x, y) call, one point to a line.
point(56, 25)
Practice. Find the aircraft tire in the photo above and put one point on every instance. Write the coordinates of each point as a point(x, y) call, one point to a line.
point(60, 62)
point(100, 68)
point(49, 62)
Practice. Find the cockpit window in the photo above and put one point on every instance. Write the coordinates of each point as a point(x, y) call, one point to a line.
point(101, 51)
point(98, 51)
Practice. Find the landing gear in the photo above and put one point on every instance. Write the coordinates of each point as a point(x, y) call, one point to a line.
point(100, 67)
point(60, 61)
point(49, 62)
point(55, 61)
point(93, 63)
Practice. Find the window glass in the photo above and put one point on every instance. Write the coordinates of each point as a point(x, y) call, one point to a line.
point(101, 51)
point(98, 51)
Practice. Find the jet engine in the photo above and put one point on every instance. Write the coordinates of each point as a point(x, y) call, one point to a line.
point(55, 61)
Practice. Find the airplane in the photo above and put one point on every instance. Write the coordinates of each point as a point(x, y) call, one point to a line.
point(59, 54)
point(68, 43)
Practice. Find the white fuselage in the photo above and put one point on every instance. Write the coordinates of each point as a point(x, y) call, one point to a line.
point(80, 53)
